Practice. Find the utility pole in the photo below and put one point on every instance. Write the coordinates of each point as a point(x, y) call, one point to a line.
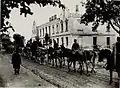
point(0, 27)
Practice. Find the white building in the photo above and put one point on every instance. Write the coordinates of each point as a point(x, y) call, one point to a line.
point(67, 27)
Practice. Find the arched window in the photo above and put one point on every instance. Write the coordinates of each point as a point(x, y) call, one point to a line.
point(40, 33)
point(61, 22)
point(43, 31)
point(49, 30)
point(53, 29)
point(66, 24)
point(57, 28)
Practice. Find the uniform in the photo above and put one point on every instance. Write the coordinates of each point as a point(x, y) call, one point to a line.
point(75, 46)
point(16, 61)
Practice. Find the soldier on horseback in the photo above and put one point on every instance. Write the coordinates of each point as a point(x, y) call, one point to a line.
point(75, 46)
point(62, 47)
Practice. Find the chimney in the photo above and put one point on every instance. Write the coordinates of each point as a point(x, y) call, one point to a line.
point(77, 9)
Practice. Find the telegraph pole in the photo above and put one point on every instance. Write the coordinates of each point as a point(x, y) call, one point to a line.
point(0, 27)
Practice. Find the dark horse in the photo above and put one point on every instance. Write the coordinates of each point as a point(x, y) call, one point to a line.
point(80, 56)
point(89, 57)
point(109, 55)
point(75, 56)
point(54, 56)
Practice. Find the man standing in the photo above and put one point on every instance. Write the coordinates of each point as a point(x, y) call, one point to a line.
point(16, 61)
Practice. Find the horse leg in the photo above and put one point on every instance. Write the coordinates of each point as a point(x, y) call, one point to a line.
point(93, 67)
point(74, 64)
point(52, 61)
point(81, 68)
point(63, 61)
point(111, 72)
point(118, 79)
point(15, 71)
point(93, 63)
point(60, 61)
point(49, 59)
point(56, 62)
point(87, 68)
point(68, 62)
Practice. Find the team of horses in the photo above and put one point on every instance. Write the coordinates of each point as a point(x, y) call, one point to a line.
point(59, 57)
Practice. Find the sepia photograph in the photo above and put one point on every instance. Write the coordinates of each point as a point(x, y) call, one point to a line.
point(60, 43)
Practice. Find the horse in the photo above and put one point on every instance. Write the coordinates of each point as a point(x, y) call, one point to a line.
point(72, 57)
point(108, 54)
point(27, 52)
point(40, 55)
point(50, 54)
point(89, 57)
point(82, 56)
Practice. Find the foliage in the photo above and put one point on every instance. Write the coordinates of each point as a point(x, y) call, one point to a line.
point(5, 40)
point(18, 40)
point(100, 12)
point(24, 5)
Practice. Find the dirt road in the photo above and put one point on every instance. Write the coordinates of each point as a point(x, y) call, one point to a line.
point(65, 79)
point(25, 79)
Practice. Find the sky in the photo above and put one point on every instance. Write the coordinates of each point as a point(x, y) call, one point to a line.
point(41, 15)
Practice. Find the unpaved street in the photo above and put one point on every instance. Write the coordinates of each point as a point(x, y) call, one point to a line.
point(25, 79)
point(55, 77)
point(63, 78)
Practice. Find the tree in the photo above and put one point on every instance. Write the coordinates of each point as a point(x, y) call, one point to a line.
point(18, 40)
point(24, 6)
point(99, 12)
point(5, 40)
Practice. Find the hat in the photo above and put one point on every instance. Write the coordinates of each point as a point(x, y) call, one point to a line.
point(75, 40)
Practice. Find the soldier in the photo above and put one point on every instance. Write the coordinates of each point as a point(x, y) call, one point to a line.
point(62, 47)
point(16, 61)
point(75, 45)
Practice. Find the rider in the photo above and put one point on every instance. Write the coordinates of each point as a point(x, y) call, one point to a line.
point(75, 45)
point(62, 47)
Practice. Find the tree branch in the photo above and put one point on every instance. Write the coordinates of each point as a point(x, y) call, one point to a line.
point(114, 27)
point(116, 23)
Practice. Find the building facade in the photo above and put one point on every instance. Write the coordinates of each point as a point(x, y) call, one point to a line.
point(67, 27)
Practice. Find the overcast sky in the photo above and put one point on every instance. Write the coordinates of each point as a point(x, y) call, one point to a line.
point(41, 15)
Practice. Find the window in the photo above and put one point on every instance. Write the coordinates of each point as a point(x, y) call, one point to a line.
point(57, 28)
point(66, 41)
point(40, 32)
point(43, 31)
point(46, 29)
point(61, 26)
point(37, 31)
point(108, 42)
point(53, 29)
point(62, 40)
point(94, 42)
point(49, 30)
point(66, 24)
